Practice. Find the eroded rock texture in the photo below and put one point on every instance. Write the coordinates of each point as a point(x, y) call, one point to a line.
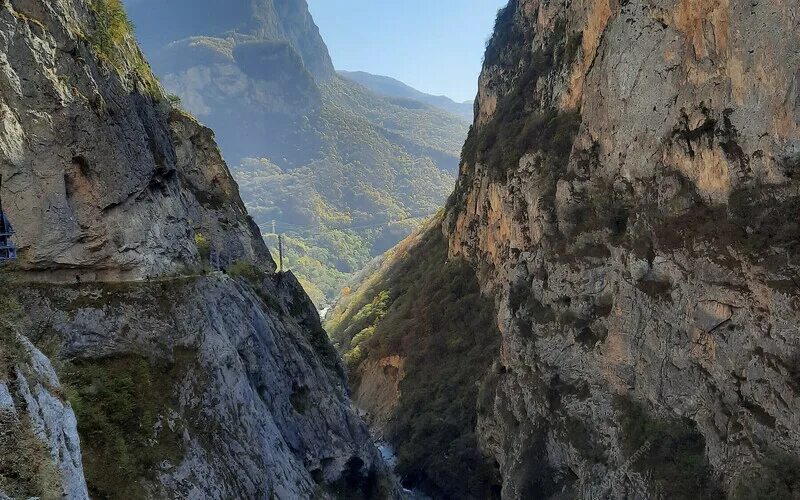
point(629, 192)
point(186, 383)
point(101, 178)
point(39, 437)
point(250, 401)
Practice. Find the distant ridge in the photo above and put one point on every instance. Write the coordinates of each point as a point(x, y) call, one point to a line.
point(395, 88)
point(338, 167)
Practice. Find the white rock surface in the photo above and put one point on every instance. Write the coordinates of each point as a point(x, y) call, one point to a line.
point(6, 401)
point(37, 390)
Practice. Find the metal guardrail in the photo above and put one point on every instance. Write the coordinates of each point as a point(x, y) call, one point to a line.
point(8, 251)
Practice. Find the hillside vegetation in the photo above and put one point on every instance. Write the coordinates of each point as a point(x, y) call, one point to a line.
point(344, 172)
point(428, 311)
point(382, 169)
point(388, 86)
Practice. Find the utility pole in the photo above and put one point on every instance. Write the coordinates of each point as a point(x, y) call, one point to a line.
point(280, 250)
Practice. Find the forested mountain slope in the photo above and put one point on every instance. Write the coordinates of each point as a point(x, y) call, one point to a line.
point(394, 88)
point(345, 172)
point(417, 338)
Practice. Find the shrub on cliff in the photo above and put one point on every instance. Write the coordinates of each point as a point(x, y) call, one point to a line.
point(521, 123)
point(121, 405)
point(112, 27)
point(11, 351)
point(777, 478)
point(671, 448)
point(109, 40)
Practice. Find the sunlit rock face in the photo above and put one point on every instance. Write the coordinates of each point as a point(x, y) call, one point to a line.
point(163, 377)
point(629, 193)
point(40, 443)
point(101, 178)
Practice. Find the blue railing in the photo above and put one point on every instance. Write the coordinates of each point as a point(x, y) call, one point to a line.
point(7, 249)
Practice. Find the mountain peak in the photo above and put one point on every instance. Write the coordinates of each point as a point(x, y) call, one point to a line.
point(274, 20)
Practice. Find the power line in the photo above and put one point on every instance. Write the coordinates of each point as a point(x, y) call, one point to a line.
point(280, 250)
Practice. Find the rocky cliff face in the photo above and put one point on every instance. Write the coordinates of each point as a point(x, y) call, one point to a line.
point(285, 21)
point(250, 69)
point(102, 178)
point(629, 192)
point(39, 442)
point(186, 383)
point(220, 388)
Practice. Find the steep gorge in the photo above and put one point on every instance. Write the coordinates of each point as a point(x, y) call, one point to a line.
point(628, 195)
point(418, 338)
point(186, 382)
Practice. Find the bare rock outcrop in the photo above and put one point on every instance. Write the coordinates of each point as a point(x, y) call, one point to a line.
point(39, 439)
point(101, 178)
point(186, 382)
point(247, 393)
point(629, 193)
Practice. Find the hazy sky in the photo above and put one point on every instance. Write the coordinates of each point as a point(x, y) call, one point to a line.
point(435, 46)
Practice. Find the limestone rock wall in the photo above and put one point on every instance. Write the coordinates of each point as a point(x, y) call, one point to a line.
point(101, 178)
point(640, 237)
point(189, 383)
point(253, 402)
point(40, 442)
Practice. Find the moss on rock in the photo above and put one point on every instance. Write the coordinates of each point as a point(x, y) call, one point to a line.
point(124, 410)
